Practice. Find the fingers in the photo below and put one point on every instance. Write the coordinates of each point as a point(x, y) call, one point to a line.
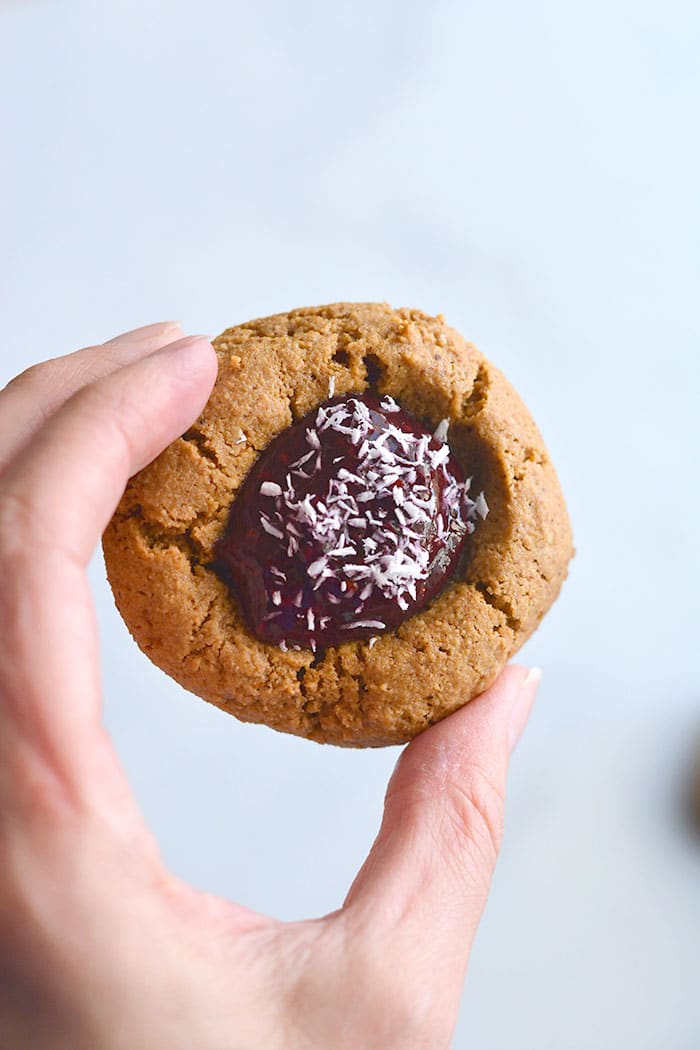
point(56, 498)
point(62, 489)
point(424, 885)
point(153, 334)
point(33, 396)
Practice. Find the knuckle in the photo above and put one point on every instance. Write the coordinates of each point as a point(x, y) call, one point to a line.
point(111, 412)
point(475, 810)
point(41, 794)
point(27, 377)
point(18, 519)
point(51, 377)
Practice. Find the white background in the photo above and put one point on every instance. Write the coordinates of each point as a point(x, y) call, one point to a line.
point(531, 171)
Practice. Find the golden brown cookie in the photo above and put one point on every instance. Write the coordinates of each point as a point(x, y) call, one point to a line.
point(159, 545)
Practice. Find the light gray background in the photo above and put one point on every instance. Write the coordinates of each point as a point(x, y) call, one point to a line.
point(531, 170)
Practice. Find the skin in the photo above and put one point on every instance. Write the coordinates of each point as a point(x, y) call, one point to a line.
point(101, 948)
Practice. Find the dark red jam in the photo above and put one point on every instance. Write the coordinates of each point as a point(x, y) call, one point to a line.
point(351, 521)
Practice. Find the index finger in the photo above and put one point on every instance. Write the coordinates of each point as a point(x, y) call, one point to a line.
point(56, 498)
point(32, 397)
point(61, 490)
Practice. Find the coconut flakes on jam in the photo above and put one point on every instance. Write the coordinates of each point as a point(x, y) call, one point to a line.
point(351, 521)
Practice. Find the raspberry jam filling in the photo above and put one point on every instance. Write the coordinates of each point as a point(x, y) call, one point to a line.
point(351, 521)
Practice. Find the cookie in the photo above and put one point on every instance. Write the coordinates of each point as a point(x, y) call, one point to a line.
point(163, 544)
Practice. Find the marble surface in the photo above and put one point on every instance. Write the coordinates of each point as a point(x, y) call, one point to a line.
point(531, 171)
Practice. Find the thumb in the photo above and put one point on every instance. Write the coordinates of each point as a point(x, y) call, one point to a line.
point(424, 885)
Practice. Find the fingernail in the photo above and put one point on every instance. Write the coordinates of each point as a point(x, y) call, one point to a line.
point(148, 331)
point(184, 343)
point(188, 350)
point(527, 692)
point(187, 340)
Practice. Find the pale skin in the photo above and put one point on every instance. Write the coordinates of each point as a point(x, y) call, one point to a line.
point(101, 948)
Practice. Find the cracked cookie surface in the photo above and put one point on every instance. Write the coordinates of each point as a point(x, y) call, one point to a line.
point(159, 545)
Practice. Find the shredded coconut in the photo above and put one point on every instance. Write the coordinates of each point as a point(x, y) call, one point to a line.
point(377, 514)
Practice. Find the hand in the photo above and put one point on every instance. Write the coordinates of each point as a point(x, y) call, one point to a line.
point(100, 947)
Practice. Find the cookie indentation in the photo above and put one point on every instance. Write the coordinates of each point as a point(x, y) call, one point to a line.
point(351, 522)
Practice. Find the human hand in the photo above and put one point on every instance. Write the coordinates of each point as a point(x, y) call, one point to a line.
point(101, 948)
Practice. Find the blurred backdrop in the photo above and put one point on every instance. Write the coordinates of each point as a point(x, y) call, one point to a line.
point(531, 171)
